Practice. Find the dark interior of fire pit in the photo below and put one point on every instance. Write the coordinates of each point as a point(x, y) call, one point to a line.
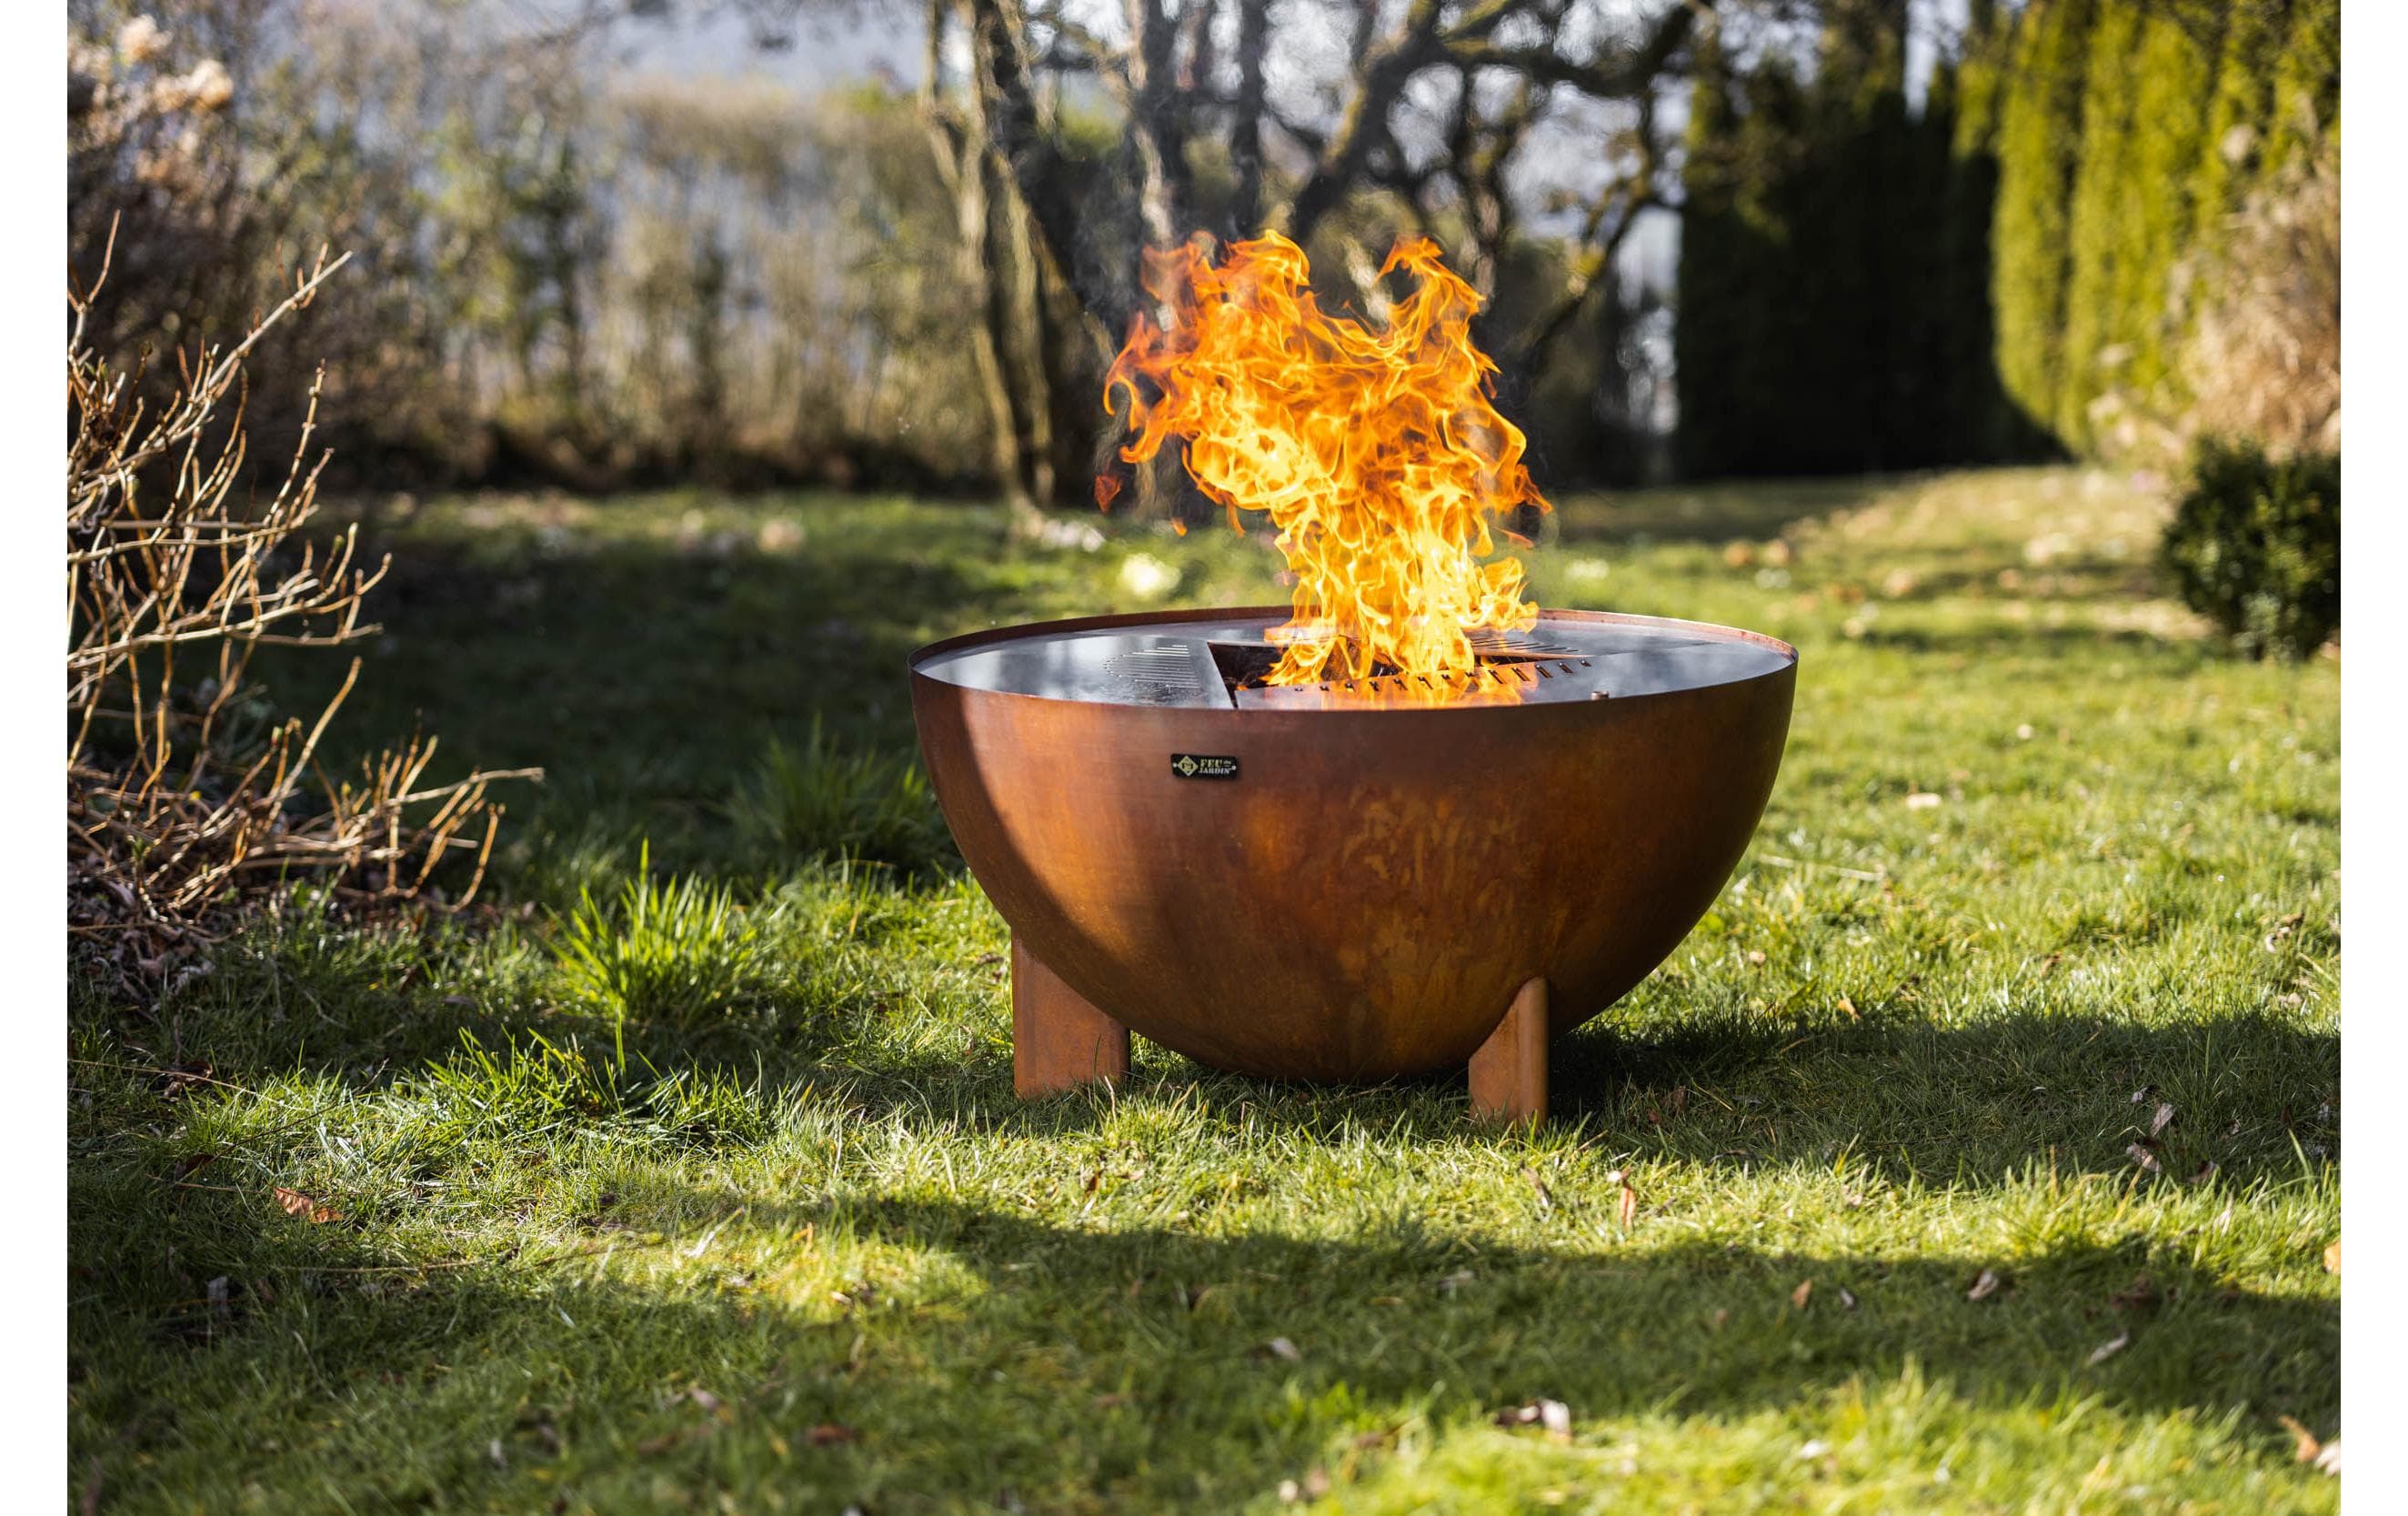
point(1247, 666)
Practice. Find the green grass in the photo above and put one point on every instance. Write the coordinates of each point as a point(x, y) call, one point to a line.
point(711, 1193)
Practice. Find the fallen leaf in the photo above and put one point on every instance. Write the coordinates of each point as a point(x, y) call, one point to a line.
point(2140, 1295)
point(1756, 957)
point(1849, 1007)
point(1546, 1199)
point(2143, 1156)
point(318, 1213)
point(184, 1077)
point(2141, 1096)
point(2110, 1347)
point(2163, 1118)
point(2205, 1171)
point(1922, 800)
point(2329, 1460)
point(1847, 1297)
point(1552, 1415)
point(1456, 1280)
point(1815, 1448)
point(1627, 1209)
point(1804, 1292)
point(654, 1447)
point(2306, 1445)
point(703, 1397)
point(2332, 1256)
point(1985, 1284)
point(831, 1435)
point(1282, 1348)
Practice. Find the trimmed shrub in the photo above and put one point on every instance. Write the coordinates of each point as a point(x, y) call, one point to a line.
point(2255, 546)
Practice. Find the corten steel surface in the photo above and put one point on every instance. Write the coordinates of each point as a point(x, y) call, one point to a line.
point(1377, 881)
point(1509, 1071)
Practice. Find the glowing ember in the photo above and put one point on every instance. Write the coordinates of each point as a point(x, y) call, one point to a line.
point(1377, 453)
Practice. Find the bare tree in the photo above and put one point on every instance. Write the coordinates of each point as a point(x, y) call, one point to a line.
point(1187, 71)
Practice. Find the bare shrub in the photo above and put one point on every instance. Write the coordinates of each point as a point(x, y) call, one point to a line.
point(2266, 360)
point(214, 147)
point(185, 795)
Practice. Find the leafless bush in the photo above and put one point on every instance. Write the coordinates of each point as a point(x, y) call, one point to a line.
point(185, 795)
point(2267, 357)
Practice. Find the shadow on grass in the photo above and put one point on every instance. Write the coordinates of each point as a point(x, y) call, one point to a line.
point(2170, 654)
point(991, 1356)
point(1712, 514)
point(647, 679)
point(1974, 1102)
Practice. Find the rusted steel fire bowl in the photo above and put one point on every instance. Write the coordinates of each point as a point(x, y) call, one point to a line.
point(1336, 885)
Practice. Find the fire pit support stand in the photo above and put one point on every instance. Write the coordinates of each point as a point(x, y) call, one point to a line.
point(1508, 1073)
point(1059, 1040)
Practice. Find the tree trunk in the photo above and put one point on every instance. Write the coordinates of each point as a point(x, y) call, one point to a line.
point(1024, 355)
point(1158, 134)
point(964, 169)
point(1246, 131)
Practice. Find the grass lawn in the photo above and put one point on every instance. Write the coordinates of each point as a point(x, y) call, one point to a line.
point(716, 1197)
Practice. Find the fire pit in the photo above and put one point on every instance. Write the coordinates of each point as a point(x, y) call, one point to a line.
point(1348, 880)
point(1413, 821)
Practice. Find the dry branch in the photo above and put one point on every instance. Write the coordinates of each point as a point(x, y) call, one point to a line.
point(179, 803)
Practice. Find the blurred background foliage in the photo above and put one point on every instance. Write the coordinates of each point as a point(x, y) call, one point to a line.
point(1728, 238)
point(570, 275)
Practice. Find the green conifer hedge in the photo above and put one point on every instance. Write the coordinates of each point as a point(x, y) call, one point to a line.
point(1998, 276)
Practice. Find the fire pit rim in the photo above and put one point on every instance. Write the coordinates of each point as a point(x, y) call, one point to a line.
point(1071, 624)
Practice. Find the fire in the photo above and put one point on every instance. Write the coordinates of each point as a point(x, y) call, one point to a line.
point(1376, 451)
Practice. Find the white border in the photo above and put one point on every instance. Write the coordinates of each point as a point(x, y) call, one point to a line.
point(2374, 1039)
point(2374, 803)
point(32, 1110)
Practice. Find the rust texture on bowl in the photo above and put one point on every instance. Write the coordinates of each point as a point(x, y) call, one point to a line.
point(1343, 888)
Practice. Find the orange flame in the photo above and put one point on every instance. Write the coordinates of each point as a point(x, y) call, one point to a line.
point(1376, 453)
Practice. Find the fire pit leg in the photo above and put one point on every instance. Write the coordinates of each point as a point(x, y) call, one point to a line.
point(1059, 1040)
point(1508, 1073)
